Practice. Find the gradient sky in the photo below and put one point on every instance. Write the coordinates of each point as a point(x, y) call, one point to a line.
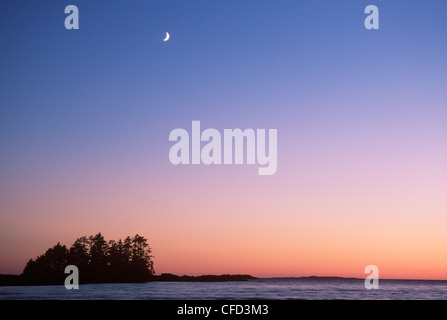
point(85, 117)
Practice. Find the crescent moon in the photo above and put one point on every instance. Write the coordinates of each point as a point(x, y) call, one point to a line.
point(167, 37)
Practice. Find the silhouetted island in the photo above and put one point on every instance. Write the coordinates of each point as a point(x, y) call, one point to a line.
point(318, 278)
point(19, 280)
point(204, 278)
point(101, 261)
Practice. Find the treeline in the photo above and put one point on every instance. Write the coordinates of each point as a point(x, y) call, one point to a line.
point(97, 260)
point(204, 278)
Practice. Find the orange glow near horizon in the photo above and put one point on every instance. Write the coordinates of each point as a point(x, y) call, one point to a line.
point(193, 227)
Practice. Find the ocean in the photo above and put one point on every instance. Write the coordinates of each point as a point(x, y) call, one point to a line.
point(257, 289)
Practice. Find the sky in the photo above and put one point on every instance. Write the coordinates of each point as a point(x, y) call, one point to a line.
point(85, 117)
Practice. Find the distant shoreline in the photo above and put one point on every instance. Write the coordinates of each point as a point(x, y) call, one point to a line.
point(18, 280)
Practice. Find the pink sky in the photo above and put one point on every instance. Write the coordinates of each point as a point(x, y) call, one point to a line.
point(381, 204)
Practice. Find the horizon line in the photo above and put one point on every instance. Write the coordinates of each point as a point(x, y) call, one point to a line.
point(278, 277)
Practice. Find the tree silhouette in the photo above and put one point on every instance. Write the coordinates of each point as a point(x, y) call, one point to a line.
point(48, 267)
point(98, 256)
point(141, 255)
point(98, 260)
point(79, 253)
